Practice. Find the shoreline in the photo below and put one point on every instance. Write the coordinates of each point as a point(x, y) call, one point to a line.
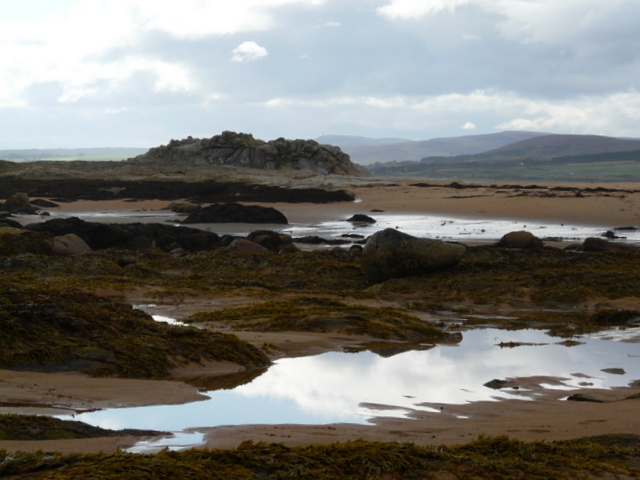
point(546, 418)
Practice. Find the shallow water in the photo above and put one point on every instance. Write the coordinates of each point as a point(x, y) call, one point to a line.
point(457, 229)
point(449, 228)
point(354, 388)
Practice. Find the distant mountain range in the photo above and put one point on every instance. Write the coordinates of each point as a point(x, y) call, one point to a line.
point(366, 151)
point(548, 157)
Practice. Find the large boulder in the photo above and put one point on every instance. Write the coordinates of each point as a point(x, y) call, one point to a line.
point(393, 254)
point(69, 245)
point(242, 150)
point(520, 239)
point(236, 213)
point(593, 244)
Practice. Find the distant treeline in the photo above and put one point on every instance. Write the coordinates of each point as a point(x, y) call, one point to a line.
point(79, 153)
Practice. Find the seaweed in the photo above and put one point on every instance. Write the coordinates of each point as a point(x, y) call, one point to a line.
point(314, 314)
point(55, 330)
point(499, 458)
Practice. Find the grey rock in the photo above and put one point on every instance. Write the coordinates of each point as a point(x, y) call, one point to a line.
point(69, 245)
point(242, 245)
point(393, 254)
point(520, 239)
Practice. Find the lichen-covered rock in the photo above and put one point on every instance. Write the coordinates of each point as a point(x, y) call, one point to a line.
point(236, 213)
point(393, 254)
point(242, 150)
point(69, 245)
point(520, 239)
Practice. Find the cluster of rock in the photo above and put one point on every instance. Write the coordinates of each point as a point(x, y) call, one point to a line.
point(245, 151)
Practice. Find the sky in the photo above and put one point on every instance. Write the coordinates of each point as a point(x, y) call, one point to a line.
point(138, 73)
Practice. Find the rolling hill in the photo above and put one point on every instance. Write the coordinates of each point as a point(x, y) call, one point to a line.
point(365, 151)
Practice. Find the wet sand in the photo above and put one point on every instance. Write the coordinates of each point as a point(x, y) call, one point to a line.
point(546, 418)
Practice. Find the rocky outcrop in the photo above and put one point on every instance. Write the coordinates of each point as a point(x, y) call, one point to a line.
point(520, 239)
point(393, 254)
point(242, 150)
point(236, 213)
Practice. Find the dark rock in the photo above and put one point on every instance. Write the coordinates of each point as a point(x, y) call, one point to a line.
point(361, 218)
point(610, 235)
point(72, 189)
point(393, 254)
point(42, 203)
point(316, 240)
point(242, 150)
point(7, 222)
point(236, 213)
point(183, 207)
point(496, 384)
point(593, 244)
point(242, 245)
point(614, 371)
point(135, 236)
point(583, 397)
point(520, 239)
point(272, 241)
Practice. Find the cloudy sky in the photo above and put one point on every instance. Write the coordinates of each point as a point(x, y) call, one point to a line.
point(88, 73)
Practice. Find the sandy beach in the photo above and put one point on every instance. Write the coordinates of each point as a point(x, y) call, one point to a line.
point(546, 418)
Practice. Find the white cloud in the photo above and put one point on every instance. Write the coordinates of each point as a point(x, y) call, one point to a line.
point(248, 52)
point(469, 126)
point(405, 9)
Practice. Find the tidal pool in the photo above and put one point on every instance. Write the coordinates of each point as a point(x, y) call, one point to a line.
point(356, 387)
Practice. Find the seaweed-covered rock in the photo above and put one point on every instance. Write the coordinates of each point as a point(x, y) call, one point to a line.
point(19, 203)
point(136, 236)
point(14, 241)
point(593, 244)
point(272, 241)
point(393, 254)
point(242, 150)
point(236, 213)
point(46, 329)
point(520, 239)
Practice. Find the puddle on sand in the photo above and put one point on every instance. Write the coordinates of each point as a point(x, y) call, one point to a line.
point(353, 388)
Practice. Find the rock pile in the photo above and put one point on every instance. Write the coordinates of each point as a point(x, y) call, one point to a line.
point(242, 150)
